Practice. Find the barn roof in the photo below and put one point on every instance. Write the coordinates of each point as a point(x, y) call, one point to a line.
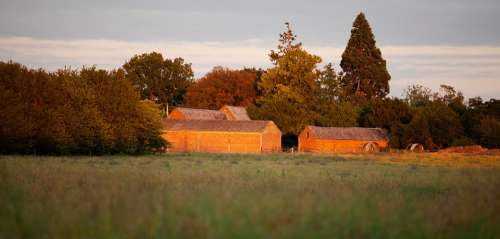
point(349, 133)
point(239, 113)
point(201, 114)
point(215, 125)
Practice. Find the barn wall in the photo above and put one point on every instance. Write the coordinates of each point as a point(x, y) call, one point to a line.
point(314, 145)
point(177, 140)
point(303, 143)
point(271, 139)
point(216, 142)
point(337, 146)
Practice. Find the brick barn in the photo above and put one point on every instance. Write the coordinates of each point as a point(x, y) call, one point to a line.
point(222, 136)
point(235, 112)
point(181, 113)
point(342, 139)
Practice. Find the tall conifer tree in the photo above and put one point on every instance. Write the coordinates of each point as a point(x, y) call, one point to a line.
point(365, 71)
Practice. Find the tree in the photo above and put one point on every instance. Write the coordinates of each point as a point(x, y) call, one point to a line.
point(134, 125)
point(434, 125)
point(418, 95)
point(24, 96)
point(258, 78)
point(389, 113)
point(329, 82)
point(149, 128)
point(331, 110)
point(284, 109)
point(444, 124)
point(365, 71)
point(480, 121)
point(79, 126)
point(74, 112)
point(337, 114)
point(162, 80)
point(490, 132)
point(384, 113)
point(223, 86)
point(290, 89)
point(417, 131)
point(454, 99)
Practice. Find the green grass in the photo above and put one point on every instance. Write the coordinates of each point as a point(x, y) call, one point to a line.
point(246, 196)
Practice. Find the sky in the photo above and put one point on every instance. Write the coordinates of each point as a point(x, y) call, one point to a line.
point(454, 42)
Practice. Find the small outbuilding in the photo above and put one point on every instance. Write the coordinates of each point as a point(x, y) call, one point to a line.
point(342, 139)
point(181, 113)
point(235, 112)
point(222, 136)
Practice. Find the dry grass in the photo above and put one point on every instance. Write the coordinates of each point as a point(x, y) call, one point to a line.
point(456, 160)
point(250, 196)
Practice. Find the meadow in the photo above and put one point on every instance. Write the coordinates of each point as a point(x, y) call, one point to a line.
point(251, 196)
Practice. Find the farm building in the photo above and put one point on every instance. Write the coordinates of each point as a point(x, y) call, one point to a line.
point(222, 136)
point(342, 139)
point(181, 113)
point(235, 112)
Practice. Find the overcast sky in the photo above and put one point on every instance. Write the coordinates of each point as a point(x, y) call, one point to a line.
point(425, 42)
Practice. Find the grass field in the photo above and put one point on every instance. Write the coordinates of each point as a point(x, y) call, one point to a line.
point(250, 196)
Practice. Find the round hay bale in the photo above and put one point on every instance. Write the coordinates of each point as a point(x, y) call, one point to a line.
point(416, 148)
point(371, 147)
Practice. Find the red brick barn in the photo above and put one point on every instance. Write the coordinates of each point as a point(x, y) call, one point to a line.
point(222, 136)
point(342, 139)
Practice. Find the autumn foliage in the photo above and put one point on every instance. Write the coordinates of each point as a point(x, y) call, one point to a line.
point(223, 86)
point(74, 112)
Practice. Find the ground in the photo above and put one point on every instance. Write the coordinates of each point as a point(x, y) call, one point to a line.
point(251, 196)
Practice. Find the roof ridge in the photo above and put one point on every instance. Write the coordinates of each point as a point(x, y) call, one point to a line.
point(215, 125)
point(187, 108)
point(341, 127)
point(344, 133)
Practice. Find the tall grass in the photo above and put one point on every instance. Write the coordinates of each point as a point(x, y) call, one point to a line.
point(247, 196)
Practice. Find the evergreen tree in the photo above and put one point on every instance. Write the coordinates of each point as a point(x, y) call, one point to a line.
point(365, 71)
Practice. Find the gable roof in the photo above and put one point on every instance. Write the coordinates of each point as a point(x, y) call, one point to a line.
point(346, 133)
point(216, 125)
point(201, 114)
point(235, 112)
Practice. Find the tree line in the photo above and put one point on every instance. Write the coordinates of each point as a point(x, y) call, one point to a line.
point(74, 112)
point(120, 111)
